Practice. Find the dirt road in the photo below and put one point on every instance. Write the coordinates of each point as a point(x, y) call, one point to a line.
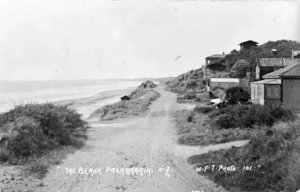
point(147, 143)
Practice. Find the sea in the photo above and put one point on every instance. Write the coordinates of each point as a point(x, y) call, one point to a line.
point(13, 93)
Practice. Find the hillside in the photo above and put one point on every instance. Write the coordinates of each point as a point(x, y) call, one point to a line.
point(193, 81)
point(284, 50)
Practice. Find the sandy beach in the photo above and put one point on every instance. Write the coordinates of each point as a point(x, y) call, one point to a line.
point(86, 105)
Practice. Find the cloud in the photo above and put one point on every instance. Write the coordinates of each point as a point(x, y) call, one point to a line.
point(122, 39)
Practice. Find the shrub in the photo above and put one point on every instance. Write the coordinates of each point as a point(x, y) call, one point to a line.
point(204, 110)
point(240, 68)
point(191, 84)
point(198, 99)
point(29, 139)
point(32, 130)
point(225, 121)
point(237, 94)
point(249, 116)
point(189, 118)
point(190, 96)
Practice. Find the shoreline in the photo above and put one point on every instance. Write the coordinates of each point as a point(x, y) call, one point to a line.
point(90, 102)
point(87, 105)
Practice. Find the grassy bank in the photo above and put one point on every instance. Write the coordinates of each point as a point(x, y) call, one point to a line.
point(31, 132)
point(195, 128)
point(139, 102)
point(205, 125)
point(273, 156)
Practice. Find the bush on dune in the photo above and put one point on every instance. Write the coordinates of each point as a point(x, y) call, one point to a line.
point(201, 109)
point(32, 130)
point(237, 94)
point(193, 128)
point(139, 103)
point(249, 116)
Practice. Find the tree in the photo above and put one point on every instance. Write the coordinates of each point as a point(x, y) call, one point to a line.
point(240, 68)
point(237, 94)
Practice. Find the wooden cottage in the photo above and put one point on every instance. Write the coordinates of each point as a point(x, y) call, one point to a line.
point(281, 86)
point(268, 65)
point(291, 87)
point(248, 44)
point(214, 62)
point(266, 91)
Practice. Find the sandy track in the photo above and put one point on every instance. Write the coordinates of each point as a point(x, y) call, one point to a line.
point(144, 142)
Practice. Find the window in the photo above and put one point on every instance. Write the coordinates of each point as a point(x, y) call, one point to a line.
point(273, 92)
point(260, 91)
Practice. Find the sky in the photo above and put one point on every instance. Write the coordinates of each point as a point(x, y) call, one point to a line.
point(94, 39)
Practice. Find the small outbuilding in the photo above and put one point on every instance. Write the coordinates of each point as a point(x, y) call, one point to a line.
point(224, 83)
point(266, 91)
point(125, 98)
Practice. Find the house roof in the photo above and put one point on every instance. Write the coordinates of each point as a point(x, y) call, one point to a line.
point(216, 56)
point(292, 72)
point(276, 62)
point(276, 74)
point(249, 41)
point(290, 61)
point(271, 62)
point(268, 81)
point(228, 80)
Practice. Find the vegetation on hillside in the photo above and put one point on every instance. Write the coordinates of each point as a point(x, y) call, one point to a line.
point(240, 68)
point(236, 63)
point(284, 50)
point(191, 81)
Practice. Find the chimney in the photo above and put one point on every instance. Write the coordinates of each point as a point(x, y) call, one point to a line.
point(223, 53)
point(274, 51)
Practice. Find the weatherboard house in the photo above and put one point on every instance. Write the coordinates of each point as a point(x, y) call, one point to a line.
point(214, 62)
point(268, 65)
point(291, 87)
point(281, 86)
